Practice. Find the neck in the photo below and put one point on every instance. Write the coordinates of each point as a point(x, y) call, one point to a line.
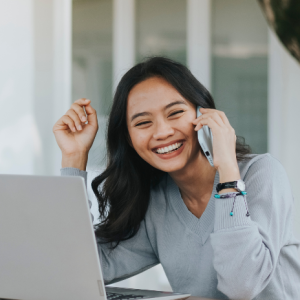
point(195, 181)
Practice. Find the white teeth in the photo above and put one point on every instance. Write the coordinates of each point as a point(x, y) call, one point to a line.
point(169, 148)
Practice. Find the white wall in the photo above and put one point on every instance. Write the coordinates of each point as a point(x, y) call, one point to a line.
point(19, 140)
point(199, 40)
point(123, 38)
point(284, 121)
point(35, 56)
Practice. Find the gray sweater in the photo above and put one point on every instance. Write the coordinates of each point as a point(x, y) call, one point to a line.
point(218, 255)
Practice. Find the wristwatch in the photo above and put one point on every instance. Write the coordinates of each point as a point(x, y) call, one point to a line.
point(239, 185)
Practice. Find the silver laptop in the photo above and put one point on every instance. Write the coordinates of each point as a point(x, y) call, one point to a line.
point(47, 244)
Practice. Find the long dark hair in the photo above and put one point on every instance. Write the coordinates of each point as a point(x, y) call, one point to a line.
point(125, 184)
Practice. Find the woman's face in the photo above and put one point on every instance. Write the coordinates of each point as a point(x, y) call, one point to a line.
point(160, 125)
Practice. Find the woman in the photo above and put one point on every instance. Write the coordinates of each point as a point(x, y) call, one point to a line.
point(158, 200)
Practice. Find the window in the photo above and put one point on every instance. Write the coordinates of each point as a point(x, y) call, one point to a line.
point(240, 68)
point(161, 29)
point(92, 64)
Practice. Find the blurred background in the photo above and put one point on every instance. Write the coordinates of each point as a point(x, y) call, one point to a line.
point(53, 52)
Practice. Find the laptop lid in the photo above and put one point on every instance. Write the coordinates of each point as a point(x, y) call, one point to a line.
point(47, 244)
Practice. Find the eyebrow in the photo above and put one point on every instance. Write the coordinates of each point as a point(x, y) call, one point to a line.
point(141, 114)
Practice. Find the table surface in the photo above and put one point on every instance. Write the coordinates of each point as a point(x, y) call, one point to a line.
point(190, 298)
point(200, 298)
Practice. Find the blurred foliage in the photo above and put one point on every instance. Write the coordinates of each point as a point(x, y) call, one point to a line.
point(284, 17)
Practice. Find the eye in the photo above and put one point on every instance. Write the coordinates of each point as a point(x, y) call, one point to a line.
point(176, 112)
point(142, 123)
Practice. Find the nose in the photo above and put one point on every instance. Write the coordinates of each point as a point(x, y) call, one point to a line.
point(163, 130)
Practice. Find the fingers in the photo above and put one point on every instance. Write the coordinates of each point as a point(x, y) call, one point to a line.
point(205, 118)
point(216, 129)
point(91, 115)
point(86, 113)
point(221, 114)
point(224, 118)
point(75, 118)
point(78, 105)
point(215, 117)
point(218, 116)
point(67, 121)
point(210, 122)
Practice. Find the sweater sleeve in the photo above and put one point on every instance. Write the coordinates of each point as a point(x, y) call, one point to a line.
point(130, 257)
point(246, 249)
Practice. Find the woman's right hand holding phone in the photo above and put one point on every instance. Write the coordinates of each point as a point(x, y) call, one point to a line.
point(73, 136)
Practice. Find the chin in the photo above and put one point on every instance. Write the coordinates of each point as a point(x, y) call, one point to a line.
point(171, 168)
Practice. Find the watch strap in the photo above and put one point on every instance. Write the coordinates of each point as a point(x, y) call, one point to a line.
point(226, 185)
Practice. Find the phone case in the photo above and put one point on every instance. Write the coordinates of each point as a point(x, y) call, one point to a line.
point(205, 139)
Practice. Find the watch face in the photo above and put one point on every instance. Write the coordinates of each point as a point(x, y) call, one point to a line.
point(241, 185)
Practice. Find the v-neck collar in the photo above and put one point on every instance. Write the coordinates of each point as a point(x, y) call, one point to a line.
point(202, 226)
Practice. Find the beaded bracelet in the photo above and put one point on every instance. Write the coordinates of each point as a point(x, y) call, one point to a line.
point(230, 195)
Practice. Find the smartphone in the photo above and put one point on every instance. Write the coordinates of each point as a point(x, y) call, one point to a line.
point(205, 139)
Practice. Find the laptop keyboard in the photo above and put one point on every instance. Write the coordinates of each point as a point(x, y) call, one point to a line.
point(115, 296)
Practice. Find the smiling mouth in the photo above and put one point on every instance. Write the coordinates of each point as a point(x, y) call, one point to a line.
point(169, 149)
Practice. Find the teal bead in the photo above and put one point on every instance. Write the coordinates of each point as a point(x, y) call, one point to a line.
point(231, 213)
point(217, 196)
point(244, 193)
